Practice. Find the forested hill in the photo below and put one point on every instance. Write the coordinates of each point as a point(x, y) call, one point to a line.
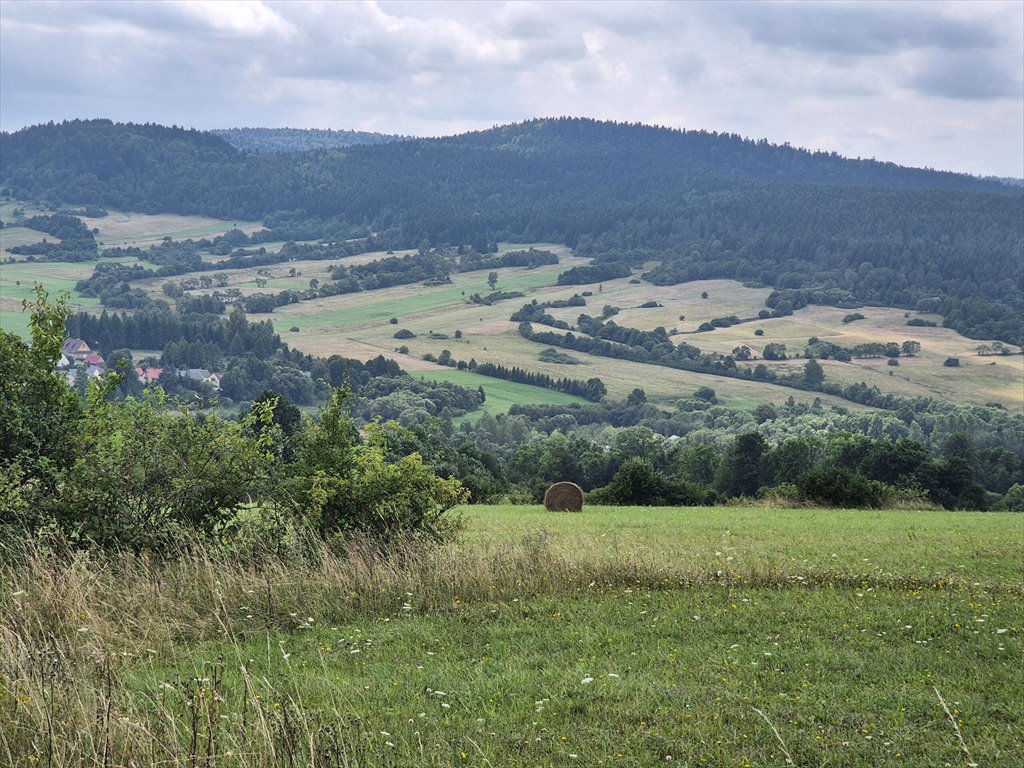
point(290, 140)
point(706, 205)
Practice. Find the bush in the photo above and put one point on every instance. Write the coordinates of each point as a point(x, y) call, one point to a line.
point(952, 362)
point(1013, 500)
point(145, 475)
point(839, 487)
point(638, 482)
point(405, 333)
point(339, 485)
point(707, 394)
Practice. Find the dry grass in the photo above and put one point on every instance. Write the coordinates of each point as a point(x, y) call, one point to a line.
point(120, 228)
point(979, 379)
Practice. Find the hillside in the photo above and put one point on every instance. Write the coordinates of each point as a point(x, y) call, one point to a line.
point(290, 140)
point(841, 232)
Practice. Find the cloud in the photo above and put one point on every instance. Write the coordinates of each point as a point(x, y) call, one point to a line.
point(840, 76)
point(972, 76)
point(857, 28)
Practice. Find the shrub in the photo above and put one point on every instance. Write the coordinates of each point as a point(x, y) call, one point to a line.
point(839, 487)
point(638, 482)
point(341, 485)
point(144, 475)
point(952, 362)
point(405, 333)
point(706, 393)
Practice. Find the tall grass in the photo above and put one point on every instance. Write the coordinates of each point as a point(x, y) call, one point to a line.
point(72, 624)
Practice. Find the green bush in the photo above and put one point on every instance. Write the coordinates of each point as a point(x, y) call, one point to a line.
point(638, 482)
point(840, 487)
point(338, 484)
point(145, 475)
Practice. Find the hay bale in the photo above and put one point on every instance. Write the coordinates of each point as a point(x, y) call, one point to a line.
point(563, 497)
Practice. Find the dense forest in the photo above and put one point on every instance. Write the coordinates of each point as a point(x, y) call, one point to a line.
point(288, 140)
point(700, 204)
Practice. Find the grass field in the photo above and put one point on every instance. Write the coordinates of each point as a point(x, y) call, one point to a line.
point(978, 380)
point(356, 325)
point(501, 395)
point(121, 228)
point(116, 229)
point(614, 637)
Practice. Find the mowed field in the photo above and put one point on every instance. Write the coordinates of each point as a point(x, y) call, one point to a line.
point(142, 229)
point(979, 379)
point(613, 637)
point(117, 229)
point(356, 325)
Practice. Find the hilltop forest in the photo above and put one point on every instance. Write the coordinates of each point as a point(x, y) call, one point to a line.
point(696, 204)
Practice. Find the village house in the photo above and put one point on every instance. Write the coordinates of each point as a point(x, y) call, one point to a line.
point(149, 375)
point(203, 375)
point(75, 348)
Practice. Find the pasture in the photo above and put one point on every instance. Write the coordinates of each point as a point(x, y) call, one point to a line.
point(356, 325)
point(978, 380)
point(501, 395)
point(614, 637)
point(124, 229)
point(117, 229)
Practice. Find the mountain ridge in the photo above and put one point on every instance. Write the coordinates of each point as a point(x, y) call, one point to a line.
point(704, 205)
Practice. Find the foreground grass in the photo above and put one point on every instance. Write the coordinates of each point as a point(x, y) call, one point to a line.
point(616, 637)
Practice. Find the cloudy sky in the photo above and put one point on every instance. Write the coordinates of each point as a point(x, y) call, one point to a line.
point(927, 84)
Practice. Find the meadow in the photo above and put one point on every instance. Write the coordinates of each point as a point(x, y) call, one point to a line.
point(357, 325)
point(614, 637)
point(116, 229)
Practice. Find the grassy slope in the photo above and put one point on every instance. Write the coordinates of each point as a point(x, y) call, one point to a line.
point(117, 229)
point(356, 324)
point(614, 637)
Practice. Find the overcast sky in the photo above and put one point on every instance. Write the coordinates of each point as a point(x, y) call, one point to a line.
point(926, 84)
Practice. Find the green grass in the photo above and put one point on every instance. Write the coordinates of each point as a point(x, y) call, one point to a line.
point(618, 636)
point(501, 394)
point(928, 545)
point(18, 280)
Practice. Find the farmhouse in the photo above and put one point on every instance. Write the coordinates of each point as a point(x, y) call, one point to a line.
point(149, 375)
point(75, 348)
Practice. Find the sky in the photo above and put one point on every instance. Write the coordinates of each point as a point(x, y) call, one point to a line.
point(928, 84)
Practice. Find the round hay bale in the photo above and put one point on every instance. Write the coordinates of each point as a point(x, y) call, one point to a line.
point(563, 497)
